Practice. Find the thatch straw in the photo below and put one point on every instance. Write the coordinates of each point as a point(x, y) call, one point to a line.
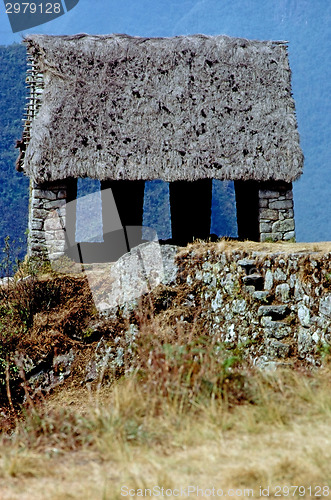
point(182, 108)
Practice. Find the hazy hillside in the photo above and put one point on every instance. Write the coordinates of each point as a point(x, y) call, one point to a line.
point(14, 188)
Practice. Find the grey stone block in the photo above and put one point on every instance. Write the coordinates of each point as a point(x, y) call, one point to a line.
point(37, 234)
point(275, 311)
point(268, 280)
point(304, 315)
point(55, 204)
point(268, 193)
point(39, 213)
point(36, 225)
point(281, 204)
point(261, 295)
point(283, 292)
point(44, 194)
point(289, 235)
point(305, 342)
point(246, 262)
point(283, 226)
point(265, 227)
point(239, 306)
point(279, 349)
point(268, 214)
point(37, 203)
point(279, 275)
point(277, 330)
point(53, 223)
point(263, 203)
point(55, 255)
point(325, 306)
point(271, 236)
point(55, 235)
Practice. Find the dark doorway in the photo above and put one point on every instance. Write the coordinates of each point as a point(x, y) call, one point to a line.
point(190, 207)
point(247, 202)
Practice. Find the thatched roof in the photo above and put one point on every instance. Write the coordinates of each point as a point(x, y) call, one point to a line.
point(188, 107)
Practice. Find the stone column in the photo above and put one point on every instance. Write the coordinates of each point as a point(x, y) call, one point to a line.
point(276, 214)
point(47, 219)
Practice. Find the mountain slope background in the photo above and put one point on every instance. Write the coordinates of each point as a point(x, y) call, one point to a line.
point(303, 23)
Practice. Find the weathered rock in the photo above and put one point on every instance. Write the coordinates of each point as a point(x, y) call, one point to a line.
point(279, 275)
point(54, 204)
point(264, 193)
point(268, 280)
point(269, 214)
point(261, 295)
point(265, 226)
point(217, 301)
point(277, 330)
point(304, 315)
point(37, 224)
point(283, 226)
point(305, 342)
point(280, 204)
point(239, 306)
point(275, 311)
point(325, 306)
point(43, 194)
point(289, 235)
point(278, 349)
point(271, 236)
point(283, 292)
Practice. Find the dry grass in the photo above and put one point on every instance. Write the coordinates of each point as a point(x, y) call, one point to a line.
point(108, 439)
point(192, 413)
point(285, 247)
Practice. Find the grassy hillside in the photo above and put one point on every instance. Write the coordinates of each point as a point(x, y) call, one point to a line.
point(178, 409)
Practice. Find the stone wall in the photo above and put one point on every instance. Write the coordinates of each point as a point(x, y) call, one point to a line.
point(278, 304)
point(276, 215)
point(47, 220)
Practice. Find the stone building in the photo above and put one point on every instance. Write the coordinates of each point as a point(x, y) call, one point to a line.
point(185, 110)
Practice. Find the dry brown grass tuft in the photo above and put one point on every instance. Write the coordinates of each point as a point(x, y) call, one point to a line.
point(93, 443)
point(227, 245)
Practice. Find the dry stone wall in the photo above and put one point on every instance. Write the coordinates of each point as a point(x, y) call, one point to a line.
point(47, 220)
point(276, 214)
point(278, 305)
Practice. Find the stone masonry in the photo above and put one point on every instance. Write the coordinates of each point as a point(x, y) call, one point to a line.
point(47, 220)
point(48, 216)
point(278, 304)
point(276, 214)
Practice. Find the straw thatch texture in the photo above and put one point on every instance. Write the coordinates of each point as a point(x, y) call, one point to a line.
point(189, 107)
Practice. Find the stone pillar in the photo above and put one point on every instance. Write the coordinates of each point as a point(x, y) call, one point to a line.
point(47, 219)
point(276, 214)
